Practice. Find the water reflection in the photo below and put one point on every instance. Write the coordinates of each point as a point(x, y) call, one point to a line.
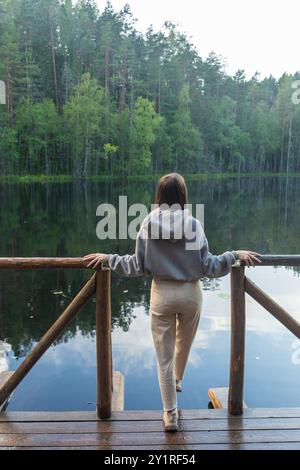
point(5, 349)
point(59, 220)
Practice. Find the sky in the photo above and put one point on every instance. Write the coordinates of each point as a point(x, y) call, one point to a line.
point(256, 35)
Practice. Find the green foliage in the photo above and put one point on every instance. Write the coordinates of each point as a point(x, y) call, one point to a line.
point(109, 149)
point(188, 144)
point(145, 123)
point(87, 94)
point(37, 126)
point(85, 115)
point(8, 148)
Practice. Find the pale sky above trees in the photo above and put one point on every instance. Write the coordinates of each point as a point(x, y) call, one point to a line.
point(256, 35)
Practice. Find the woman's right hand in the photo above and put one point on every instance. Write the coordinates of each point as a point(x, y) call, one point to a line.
point(249, 257)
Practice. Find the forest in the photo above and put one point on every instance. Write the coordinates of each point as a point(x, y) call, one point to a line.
point(87, 94)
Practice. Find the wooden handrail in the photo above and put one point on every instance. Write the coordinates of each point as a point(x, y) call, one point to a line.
point(274, 260)
point(78, 263)
point(100, 283)
point(239, 285)
point(278, 260)
point(42, 263)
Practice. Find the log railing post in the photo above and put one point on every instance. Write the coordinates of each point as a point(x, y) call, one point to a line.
point(103, 343)
point(237, 353)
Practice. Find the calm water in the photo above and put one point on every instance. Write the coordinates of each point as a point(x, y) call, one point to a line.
point(60, 220)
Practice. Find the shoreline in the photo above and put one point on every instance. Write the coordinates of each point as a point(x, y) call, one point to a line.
point(153, 177)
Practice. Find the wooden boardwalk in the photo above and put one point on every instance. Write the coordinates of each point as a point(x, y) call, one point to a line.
point(259, 428)
point(199, 429)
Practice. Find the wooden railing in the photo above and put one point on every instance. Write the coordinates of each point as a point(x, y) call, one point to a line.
point(99, 285)
point(240, 284)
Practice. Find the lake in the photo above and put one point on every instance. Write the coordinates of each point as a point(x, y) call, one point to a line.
point(260, 214)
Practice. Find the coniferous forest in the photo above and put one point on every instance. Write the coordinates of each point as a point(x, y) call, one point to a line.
point(88, 94)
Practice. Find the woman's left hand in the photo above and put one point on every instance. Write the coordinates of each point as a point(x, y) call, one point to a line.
point(249, 257)
point(95, 259)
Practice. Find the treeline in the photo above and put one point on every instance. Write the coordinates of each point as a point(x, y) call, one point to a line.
point(86, 94)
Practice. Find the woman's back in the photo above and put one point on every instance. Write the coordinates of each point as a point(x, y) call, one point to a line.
point(171, 244)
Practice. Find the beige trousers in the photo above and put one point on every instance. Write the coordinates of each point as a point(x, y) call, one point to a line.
point(175, 312)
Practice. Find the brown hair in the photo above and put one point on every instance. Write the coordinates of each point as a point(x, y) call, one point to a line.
point(171, 189)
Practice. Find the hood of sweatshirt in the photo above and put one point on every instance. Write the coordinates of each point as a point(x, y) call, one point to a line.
point(174, 225)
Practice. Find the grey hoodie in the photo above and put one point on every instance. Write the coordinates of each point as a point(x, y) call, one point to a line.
point(171, 245)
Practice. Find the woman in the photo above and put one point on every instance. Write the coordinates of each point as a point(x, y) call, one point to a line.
point(172, 247)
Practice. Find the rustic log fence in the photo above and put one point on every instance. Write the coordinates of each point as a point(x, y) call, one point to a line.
point(100, 286)
point(240, 284)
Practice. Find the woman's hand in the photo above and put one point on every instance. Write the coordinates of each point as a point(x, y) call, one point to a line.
point(95, 259)
point(249, 257)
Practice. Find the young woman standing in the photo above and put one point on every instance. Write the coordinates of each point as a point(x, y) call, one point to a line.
point(171, 247)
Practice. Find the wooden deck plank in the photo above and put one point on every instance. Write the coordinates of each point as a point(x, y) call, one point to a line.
point(127, 415)
point(83, 427)
point(249, 446)
point(151, 438)
point(198, 429)
point(256, 446)
point(142, 415)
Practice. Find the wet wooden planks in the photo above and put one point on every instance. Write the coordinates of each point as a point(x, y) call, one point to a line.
point(199, 429)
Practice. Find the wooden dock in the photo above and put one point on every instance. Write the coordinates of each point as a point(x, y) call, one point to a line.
point(232, 426)
point(200, 429)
